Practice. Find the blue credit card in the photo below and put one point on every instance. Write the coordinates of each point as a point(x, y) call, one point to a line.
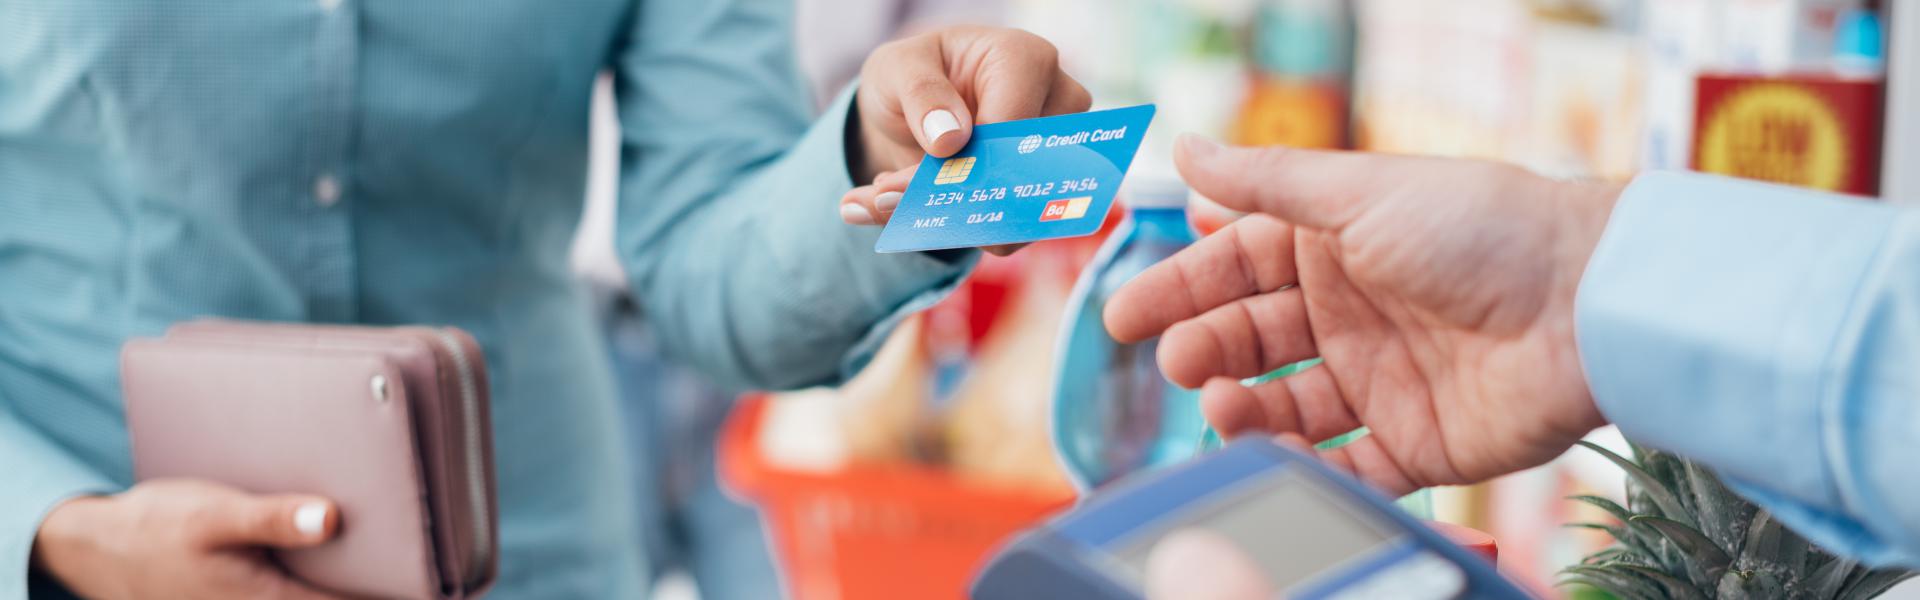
point(1019, 181)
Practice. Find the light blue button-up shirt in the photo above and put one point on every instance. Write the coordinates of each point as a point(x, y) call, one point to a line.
point(1773, 333)
point(368, 161)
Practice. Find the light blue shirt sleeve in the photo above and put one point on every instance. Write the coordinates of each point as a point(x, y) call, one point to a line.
point(728, 220)
point(38, 476)
point(1772, 333)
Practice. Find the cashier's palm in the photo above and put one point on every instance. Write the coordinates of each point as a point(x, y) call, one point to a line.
point(1438, 292)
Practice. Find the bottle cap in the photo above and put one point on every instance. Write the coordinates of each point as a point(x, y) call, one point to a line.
point(1857, 41)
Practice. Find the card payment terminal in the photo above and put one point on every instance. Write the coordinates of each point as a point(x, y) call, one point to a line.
point(1315, 532)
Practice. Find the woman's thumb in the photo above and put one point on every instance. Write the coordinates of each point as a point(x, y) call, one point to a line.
point(280, 521)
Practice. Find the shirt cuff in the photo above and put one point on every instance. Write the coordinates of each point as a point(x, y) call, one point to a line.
point(899, 284)
point(938, 273)
point(39, 476)
point(1709, 315)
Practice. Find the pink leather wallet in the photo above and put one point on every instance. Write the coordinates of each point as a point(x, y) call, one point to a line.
point(390, 423)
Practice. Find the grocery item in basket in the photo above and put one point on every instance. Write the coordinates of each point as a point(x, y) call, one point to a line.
point(874, 418)
point(997, 428)
point(803, 432)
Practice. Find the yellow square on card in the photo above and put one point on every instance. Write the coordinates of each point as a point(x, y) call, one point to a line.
point(955, 170)
point(1077, 207)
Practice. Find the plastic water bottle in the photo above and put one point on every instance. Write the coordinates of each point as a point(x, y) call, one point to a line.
point(1113, 413)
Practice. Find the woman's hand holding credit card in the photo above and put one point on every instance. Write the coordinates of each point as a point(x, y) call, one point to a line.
point(922, 96)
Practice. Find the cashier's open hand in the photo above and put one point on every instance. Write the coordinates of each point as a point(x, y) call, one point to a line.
point(923, 95)
point(1439, 293)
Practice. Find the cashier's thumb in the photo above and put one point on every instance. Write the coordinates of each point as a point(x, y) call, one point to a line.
point(276, 520)
point(1198, 564)
point(1315, 188)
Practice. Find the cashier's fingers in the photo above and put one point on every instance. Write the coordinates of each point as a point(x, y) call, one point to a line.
point(1244, 338)
point(1321, 189)
point(1252, 256)
point(1307, 403)
point(1366, 459)
point(1199, 564)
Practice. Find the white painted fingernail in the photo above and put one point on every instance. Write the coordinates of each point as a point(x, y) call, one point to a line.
point(855, 214)
point(887, 202)
point(311, 518)
point(938, 123)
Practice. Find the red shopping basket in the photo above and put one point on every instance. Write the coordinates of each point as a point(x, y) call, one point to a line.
point(873, 531)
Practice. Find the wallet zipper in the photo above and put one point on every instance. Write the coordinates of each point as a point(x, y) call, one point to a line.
point(475, 454)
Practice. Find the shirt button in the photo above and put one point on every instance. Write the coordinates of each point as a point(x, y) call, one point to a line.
point(326, 190)
point(328, 5)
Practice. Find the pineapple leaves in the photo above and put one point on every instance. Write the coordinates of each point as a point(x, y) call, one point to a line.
point(1663, 496)
point(1826, 581)
point(1628, 535)
point(1755, 584)
point(1620, 584)
point(1874, 583)
point(1612, 508)
point(1723, 516)
point(1684, 534)
point(1608, 586)
point(1616, 532)
point(1769, 544)
point(1613, 554)
point(1701, 552)
point(1672, 586)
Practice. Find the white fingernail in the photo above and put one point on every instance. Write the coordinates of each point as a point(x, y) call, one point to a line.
point(855, 214)
point(311, 518)
point(938, 123)
point(887, 202)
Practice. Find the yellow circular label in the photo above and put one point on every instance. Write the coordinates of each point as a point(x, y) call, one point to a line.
point(1775, 132)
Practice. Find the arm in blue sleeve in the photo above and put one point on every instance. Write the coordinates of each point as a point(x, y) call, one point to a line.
point(728, 218)
point(1773, 334)
point(35, 475)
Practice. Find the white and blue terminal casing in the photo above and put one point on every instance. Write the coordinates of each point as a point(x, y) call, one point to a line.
point(1315, 532)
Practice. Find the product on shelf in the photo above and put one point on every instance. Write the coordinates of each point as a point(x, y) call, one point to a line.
point(1820, 132)
point(1113, 411)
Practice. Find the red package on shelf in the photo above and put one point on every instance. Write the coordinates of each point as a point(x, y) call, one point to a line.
point(1820, 132)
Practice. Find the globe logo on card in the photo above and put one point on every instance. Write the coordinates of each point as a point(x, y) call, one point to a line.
point(1029, 144)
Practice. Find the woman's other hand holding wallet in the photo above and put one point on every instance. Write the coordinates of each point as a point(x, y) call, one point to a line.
point(181, 539)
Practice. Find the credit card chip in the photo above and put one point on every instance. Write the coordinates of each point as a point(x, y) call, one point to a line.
point(955, 170)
